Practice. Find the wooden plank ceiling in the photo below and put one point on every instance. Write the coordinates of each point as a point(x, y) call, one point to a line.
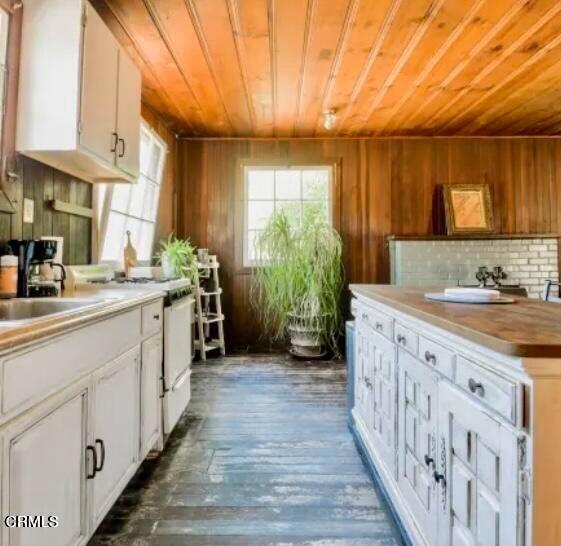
point(269, 68)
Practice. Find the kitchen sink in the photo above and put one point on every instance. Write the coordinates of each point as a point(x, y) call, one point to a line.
point(20, 311)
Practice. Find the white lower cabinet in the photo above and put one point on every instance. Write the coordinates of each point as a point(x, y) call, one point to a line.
point(477, 457)
point(150, 394)
point(115, 429)
point(444, 447)
point(44, 473)
point(416, 446)
point(382, 402)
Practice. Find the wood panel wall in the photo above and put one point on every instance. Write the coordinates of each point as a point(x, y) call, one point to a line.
point(43, 183)
point(387, 186)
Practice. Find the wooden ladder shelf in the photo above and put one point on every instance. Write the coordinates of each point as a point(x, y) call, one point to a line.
point(209, 316)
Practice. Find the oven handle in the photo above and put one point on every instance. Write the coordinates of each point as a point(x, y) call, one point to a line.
point(181, 379)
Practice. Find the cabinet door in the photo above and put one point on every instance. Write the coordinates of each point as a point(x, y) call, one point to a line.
point(150, 401)
point(363, 373)
point(360, 359)
point(416, 444)
point(44, 474)
point(383, 400)
point(477, 456)
point(128, 115)
point(99, 88)
point(116, 429)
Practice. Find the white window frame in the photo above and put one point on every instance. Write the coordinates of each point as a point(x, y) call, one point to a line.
point(247, 261)
point(103, 197)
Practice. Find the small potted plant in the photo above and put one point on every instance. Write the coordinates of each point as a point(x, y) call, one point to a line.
point(297, 284)
point(178, 258)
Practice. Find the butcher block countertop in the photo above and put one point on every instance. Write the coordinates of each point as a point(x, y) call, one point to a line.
point(526, 328)
point(111, 302)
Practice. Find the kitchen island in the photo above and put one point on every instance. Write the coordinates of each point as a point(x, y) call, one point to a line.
point(458, 410)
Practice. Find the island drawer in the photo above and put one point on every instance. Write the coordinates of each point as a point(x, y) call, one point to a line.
point(406, 338)
point(437, 356)
point(495, 391)
point(377, 320)
point(152, 318)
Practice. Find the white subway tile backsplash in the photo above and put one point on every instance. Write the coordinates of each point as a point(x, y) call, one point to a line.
point(447, 262)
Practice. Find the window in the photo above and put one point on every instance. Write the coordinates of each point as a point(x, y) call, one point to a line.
point(299, 191)
point(133, 207)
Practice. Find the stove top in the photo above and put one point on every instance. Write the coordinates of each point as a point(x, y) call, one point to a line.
point(104, 277)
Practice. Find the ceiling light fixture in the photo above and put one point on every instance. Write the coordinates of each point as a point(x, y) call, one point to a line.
point(329, 119)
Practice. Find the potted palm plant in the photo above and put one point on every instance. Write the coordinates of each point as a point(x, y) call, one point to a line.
point(297, 284)
point(178, 258)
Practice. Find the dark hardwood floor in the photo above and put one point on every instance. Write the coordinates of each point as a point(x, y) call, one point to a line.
point(263, 457)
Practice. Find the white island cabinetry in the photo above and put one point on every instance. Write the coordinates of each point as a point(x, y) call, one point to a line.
point(451, 427)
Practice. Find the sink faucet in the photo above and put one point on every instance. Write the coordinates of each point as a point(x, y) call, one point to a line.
point(482, 276)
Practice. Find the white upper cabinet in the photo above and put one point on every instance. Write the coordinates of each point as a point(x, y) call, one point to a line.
point(79, 93)
point(128, 116)
point(99, 89)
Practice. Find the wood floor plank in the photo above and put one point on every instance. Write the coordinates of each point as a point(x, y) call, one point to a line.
point(262, 457)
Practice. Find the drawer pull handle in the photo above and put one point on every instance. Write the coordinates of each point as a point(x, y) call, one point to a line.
point(379, 326)
point(439, 477)
point(475, 387)
point(430, 357)
point(428, 460)
point(93, 451)
point(157, 316)
point(401, 339)
point(101, 444)
point(364, 316)
point(368, 382)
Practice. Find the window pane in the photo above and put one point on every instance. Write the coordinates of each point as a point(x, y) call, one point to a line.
point(258, 213)
point(251, 238)
point(138, 197)
point(260, 184)
point(315, 184)
point(121, 197)
point(292, 209)
point(145, 144)
point(154, 165)
point(114, 238)
point(144, 248)
point(288, 184)
point(151, 201)
point(315, 210)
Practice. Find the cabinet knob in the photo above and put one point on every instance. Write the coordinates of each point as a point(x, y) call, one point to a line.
point(439, 477)
point(430, 357)
point(368, 382)
point(364, 316)
point(379, 326)
point(157, 316)
point(401, 339)
point(475, 387)
point(428, 460)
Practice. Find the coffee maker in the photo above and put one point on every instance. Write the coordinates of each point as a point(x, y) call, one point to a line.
point(32, 254)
